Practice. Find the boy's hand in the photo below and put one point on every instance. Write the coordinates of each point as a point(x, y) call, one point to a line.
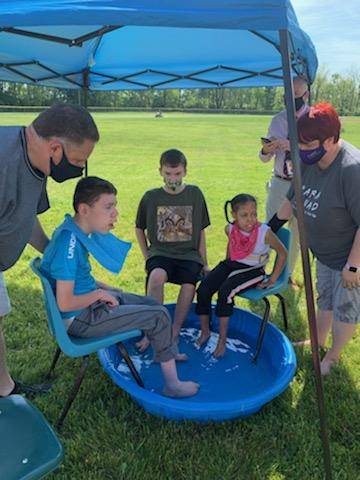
point(205, 270)
point(107, 298)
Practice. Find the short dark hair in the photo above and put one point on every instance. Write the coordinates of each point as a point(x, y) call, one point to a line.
point(89, 189)
point(71, 122)
point(173, 158)
point(237, 201)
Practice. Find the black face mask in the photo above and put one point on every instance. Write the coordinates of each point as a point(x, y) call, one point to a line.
point(299, 103)
point(64, 169)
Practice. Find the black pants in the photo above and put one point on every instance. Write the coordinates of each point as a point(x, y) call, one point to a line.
point(218, 280)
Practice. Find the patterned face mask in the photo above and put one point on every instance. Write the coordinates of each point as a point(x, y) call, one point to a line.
point(173, 185)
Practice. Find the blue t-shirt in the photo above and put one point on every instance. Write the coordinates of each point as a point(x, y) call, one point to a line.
point(65, 258)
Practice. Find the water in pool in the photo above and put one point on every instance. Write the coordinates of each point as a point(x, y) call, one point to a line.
point(233, 376)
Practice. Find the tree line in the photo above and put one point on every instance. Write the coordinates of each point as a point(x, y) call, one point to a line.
point(343, 91)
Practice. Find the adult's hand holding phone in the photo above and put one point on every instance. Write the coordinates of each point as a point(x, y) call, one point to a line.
point(269, 147)
point(283, 144)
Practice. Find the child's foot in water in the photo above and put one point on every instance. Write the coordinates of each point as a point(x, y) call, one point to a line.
point(143, 344)
point(204, 337)
point(220, 348)
point(181, 389)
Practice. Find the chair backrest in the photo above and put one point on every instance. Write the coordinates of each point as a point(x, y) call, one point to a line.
point(29, 447)
point(55, 321)
point(285, 237)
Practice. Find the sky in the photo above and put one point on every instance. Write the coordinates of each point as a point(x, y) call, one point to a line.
point(334, 27)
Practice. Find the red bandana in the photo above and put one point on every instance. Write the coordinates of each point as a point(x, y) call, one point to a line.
point(241, 245)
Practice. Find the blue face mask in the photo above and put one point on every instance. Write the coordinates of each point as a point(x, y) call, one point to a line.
point(310, 157)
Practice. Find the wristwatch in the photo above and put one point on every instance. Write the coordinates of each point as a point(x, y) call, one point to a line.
point(351, 268)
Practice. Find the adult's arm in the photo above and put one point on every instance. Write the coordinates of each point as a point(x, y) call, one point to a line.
point(38, 238)
point(351, 182)
point(276, 133)
point(281, 216)
point(352, 279)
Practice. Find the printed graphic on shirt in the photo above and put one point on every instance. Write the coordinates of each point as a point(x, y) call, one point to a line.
point(174, 223)
point(311, 201)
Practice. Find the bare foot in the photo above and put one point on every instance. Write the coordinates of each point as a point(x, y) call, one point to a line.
point(181, 389)
point(143, 344)
point(302, 343)
point(220, 349)
point(181, 357)
point(204, 337)
point(327, 363)
point(294, 283)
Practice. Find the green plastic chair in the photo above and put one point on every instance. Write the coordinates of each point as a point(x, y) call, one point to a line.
point(78, 347)
point(29, 448)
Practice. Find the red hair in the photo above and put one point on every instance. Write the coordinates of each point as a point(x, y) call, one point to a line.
point(319, 123)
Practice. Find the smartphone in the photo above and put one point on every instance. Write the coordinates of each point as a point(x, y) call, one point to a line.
point(265, 140)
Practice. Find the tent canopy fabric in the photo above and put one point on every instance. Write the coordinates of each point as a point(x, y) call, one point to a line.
point(137, 45)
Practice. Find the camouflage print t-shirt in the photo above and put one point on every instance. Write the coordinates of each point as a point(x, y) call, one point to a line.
point(173, 222)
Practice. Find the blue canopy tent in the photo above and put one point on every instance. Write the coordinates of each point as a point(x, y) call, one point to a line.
point(117, 45)
point(147, 44)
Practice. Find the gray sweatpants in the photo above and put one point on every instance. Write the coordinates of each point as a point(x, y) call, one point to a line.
point(133, 311)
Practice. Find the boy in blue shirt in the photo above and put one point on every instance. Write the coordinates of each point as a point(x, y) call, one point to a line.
point(90, 308)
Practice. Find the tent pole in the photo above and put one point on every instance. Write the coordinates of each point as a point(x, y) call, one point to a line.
point(290, 108)
point(84, 101)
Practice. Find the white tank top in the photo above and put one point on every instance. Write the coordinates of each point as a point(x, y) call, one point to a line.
point(260, 254)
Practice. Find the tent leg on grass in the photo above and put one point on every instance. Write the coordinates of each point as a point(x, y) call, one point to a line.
point(290, 108)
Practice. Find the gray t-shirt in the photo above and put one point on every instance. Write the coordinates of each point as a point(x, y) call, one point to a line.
point(332, 206)
point(22, 195)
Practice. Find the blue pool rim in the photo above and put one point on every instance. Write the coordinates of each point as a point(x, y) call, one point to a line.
point(186, 409)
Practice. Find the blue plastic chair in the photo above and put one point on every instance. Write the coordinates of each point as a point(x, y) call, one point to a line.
point(78, 347)
point(282, 283)
point(29, 448)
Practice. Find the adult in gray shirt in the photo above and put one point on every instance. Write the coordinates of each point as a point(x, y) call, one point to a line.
point(56, 144)
point(331, 193)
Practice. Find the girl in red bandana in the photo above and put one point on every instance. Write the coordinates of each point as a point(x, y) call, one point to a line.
point(249, 242)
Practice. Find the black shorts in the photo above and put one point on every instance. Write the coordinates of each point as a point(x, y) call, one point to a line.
point(178, 271)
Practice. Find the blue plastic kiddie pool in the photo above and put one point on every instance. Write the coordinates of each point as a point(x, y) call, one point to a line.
point(231, 387)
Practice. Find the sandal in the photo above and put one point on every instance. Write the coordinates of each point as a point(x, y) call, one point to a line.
point(22, 388)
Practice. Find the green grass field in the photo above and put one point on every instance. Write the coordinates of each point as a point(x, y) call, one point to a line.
point(106, 435)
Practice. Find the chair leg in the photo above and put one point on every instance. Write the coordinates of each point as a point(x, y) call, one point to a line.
point(53, 364)
point(130, 364)
point(262, 329)
point(283, 309)
point(74, 391)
